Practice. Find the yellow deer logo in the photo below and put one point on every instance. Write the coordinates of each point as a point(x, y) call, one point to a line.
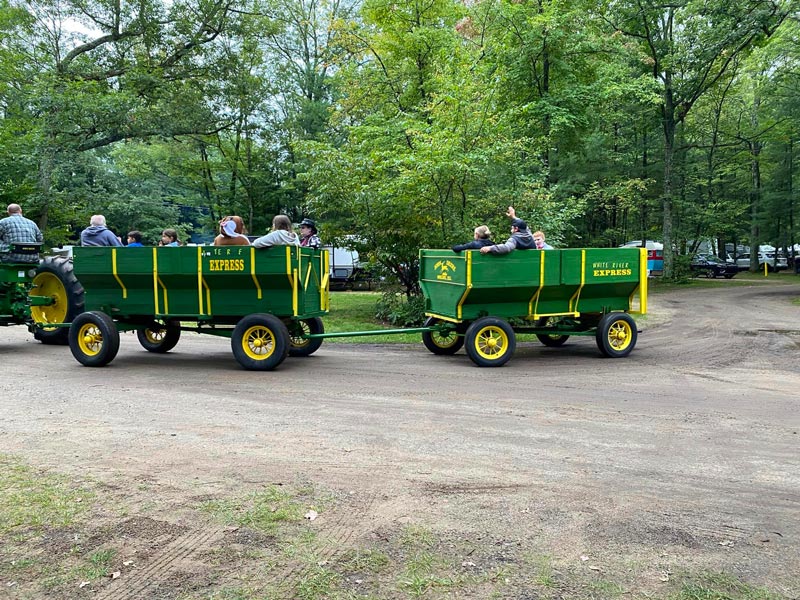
point(444, 267)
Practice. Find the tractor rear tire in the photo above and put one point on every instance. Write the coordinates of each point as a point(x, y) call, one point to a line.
point(93, 339)
point(56, 279)
point(298, 346)
point(260, 342)
point(161, 338)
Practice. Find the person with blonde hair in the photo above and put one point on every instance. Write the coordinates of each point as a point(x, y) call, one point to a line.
point(281, 234)
point(231, 232)
point(483, 237)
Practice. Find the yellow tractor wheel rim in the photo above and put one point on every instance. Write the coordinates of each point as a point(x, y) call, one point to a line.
point(90, 339)
point(258, 342)
point(620, 335)
point(491, 342)
point(49, 285)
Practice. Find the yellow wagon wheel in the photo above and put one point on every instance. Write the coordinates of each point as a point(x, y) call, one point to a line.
point(260, 342)
point(93, 339)
point(300, 346)
point(490, 342)
point(448, 341)
point(616, 334)
point(159, 337)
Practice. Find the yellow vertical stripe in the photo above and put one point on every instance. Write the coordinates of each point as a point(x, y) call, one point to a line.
point(468, 286)
point(576, 296)
point(253, 271)
point(643, 281)
point(199, 280)
point(116, 276)
point(295, 285)
point(155, 282)
point(532, 308)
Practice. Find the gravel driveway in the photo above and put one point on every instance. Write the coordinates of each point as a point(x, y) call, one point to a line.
point(685, 455)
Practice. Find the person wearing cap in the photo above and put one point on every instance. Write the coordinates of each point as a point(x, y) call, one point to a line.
point(521, 238)
point(308, 234)
point(231, 232)
point(482, 238)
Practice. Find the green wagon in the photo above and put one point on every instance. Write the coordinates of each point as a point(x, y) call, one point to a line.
point(264, 300)
point(482, 301)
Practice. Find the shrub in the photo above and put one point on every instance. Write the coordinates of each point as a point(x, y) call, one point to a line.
point(400, 310)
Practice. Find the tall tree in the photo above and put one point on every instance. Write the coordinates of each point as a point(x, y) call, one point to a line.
point(689, 46)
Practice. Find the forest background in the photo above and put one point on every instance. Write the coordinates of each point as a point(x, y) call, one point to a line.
point(403, 124)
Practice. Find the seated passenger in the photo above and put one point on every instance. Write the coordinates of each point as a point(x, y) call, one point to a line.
point(169, 237)
point(135, 239)
point(97, 234)
point(231, 232)
point(16, 229)
point(521, 238)
point(308, 234)
point(281, 234)
point(482, 238)
point(538, 239)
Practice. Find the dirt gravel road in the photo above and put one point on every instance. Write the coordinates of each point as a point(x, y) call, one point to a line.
point(685, 455)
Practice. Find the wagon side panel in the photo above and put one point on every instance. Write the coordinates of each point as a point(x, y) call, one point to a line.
point(444, 277)
point(612, 278)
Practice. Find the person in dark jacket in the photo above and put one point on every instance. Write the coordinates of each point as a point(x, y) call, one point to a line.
point(482, 238)
point(521, 238)
point(97, 234)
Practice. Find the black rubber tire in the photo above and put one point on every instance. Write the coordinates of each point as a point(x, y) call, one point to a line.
point(490, 342)
point(616, 334)
point(55, 277)
point(551, 341)
point(729, 276)
point(159, 339)
point(711, 274)
point(443, 346)
point(302, 347)
point(255, 332)
point(93, 339)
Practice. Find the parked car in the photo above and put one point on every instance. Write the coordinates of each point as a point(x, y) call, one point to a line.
point(712, 267)
point(773, 262)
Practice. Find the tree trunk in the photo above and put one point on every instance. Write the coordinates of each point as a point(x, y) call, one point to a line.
point(669, 152)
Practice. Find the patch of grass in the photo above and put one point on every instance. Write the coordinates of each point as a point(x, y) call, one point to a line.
point(415, 536)
point(720, 586)
point(355, 311)
point(263, 510)
point(30, 499)
point(545, 576)
point(319, 583)
point(97, 566)
point(365, 561)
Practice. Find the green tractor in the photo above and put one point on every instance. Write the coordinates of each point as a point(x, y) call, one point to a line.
point(38, 293)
